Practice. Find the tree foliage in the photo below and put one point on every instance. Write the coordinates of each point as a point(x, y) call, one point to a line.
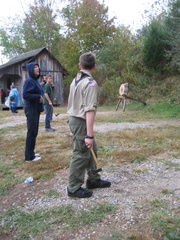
point(37, 29)
point(154, 46)
point(85, 25)
point(120, 61)
point(115, 55)
point(40, 27)
point(11, 37)
point(172, 28)
point(162, 37)
point(88, 24)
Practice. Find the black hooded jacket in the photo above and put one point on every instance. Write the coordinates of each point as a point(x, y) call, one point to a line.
point(32, 90)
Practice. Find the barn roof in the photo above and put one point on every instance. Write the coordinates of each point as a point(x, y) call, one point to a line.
point(28, 56)
point(22, 57)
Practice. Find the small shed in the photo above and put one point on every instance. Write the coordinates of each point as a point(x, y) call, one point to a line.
point(15, 72)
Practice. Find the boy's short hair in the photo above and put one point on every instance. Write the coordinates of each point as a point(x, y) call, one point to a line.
point(48, 76)
point(87, 60)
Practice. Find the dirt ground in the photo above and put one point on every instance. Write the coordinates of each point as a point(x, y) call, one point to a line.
point(134, 187)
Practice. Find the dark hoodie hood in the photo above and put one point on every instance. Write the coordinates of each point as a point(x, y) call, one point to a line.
point(30, 69)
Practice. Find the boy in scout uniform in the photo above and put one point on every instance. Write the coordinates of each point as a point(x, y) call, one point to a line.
point(82, 104)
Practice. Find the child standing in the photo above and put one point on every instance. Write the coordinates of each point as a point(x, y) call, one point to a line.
point(82, 104)
point(48, 103)
point(14, 99)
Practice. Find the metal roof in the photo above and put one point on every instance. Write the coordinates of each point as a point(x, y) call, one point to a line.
point(22, 57)
point(29, 55)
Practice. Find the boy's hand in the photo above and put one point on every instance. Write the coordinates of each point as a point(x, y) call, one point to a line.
point(41, 99)
point(89, 142)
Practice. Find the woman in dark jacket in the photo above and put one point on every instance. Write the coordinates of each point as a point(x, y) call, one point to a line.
point(33, 106)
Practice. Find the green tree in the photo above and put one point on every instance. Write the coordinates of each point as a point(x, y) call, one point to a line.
point(154, 46)
point(88, 24)
point(115, 55)
point(11, 36)
point(121, 61)
point(38, 29)
point(172, 29)
point(87, 27)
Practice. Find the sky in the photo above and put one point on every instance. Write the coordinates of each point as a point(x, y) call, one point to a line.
point(127, 12)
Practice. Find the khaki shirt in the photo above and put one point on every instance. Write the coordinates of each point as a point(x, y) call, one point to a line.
point(82, 96)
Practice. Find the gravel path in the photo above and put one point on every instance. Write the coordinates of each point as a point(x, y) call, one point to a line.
point(133, 185)
point(130, 183)
point(18, 120)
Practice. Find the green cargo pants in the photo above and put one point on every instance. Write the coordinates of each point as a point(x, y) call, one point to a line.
point(82, 158)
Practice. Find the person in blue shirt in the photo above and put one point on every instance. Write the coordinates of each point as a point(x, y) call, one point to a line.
point(33, 105)
point(13, 99)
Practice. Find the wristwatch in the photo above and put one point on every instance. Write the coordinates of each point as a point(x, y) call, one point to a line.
point(89, 137)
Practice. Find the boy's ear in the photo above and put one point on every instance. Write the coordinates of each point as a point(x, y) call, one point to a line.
point(94, 67)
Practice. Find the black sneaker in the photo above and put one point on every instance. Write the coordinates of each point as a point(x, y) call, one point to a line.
point(80, 193)
point(97, 184)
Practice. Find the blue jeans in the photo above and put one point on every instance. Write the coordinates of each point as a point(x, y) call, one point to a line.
point(49, 111)
point(13, 109)
point(32, 116)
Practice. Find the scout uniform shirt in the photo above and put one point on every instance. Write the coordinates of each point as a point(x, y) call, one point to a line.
point(83, 95)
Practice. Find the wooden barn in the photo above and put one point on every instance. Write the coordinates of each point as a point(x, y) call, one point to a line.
point(15, 72)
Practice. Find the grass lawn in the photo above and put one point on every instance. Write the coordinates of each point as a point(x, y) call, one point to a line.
point(115, 148)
